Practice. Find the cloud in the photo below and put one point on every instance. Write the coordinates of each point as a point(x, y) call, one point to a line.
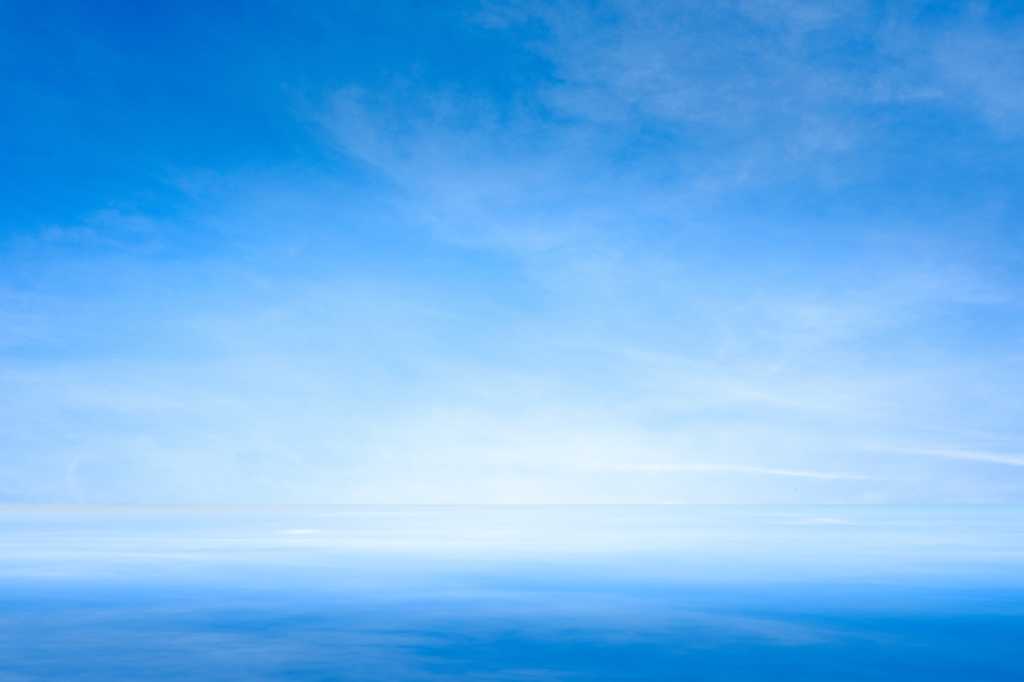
point(631, 256)
point(541, 382)
point(475, 176)
point(739, 469)
point(110, 228)
point(980, 65)
point(780, 91)
point(740, 90)
point(689, 63)
point(1012, 460)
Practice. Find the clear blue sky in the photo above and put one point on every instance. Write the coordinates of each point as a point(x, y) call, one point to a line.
point(737, 251)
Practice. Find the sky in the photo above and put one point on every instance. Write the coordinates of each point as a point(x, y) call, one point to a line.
point(742, 251)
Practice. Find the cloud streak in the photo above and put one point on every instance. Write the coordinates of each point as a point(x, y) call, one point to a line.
point(728, 240)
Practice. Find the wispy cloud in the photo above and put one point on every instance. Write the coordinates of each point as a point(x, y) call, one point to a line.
point(739, 469)
point(758, 81)
point(980, 65)
point(966, 455)
point(727, 238)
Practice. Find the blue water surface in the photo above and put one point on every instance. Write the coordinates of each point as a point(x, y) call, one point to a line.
point(639, 593)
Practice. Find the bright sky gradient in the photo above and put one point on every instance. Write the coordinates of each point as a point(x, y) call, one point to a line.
point(759, 251)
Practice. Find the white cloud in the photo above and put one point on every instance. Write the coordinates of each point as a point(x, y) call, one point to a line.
point(524, 307)
point(964, 455)
point(739, 469)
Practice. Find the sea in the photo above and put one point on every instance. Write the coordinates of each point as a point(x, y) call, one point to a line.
point(512, 593)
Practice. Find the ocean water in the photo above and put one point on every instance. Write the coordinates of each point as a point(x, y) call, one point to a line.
point(828, 594)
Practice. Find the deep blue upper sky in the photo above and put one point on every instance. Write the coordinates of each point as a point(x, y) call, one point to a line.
point(734, 251)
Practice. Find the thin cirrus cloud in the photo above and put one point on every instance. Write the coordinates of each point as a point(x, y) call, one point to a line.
point(683, 252)
point(1007, 459)
point(752, 470)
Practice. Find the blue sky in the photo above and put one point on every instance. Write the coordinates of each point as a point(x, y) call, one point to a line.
point(743, 251)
